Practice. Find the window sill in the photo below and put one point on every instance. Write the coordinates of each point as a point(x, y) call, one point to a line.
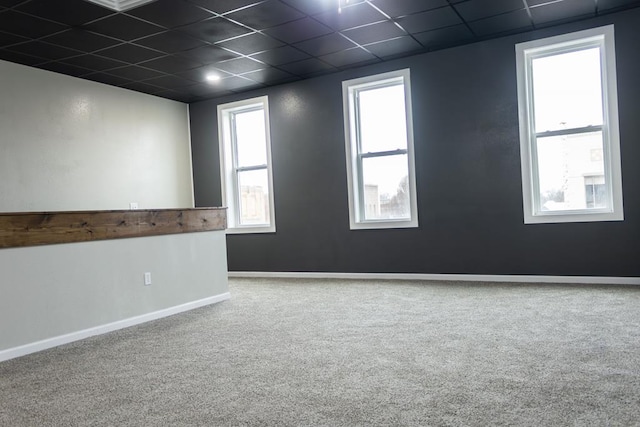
point(375, 225)
point(552, 218)
point(251, 230)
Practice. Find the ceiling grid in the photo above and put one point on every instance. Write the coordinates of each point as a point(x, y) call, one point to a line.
point(169, 48)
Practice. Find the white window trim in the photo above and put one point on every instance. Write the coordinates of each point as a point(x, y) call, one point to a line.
point(604, 37)
point(227, 165)
point(355, 215)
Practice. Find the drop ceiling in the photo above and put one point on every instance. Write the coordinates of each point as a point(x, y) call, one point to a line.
point(169, 47)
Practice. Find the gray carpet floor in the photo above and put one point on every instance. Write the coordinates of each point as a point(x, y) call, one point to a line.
point(350, 353)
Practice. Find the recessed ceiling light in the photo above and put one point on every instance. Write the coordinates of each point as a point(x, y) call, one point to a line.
point(212, 77)
point(120, 5)
point(340, 2)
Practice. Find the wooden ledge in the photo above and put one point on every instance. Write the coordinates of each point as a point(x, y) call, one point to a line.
point(45, 228)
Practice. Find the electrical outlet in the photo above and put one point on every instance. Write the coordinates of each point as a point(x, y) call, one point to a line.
point(133, 206)
point(147, 278)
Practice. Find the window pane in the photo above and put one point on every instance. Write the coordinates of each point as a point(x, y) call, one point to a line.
point(567, 90)
point(567, 166)
point(254, 197)
point(386, 187)
point(250, 138)
point(382, 119)
point(595, 191)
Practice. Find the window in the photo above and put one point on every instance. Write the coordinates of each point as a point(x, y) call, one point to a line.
point(245, 155)
point(379, 146)
point(569, 142)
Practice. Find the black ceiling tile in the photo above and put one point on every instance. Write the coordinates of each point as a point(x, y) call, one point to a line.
point(313, 7)
point(170, 82)
point(502, 23)
point(396, 8)
point(251, 43)
point(299, 30)
point(134, 73)
point(235, 83)
point(445, 36)
point(473, 10)
point(7, 39)
point(62, 68)
point(44, 50)
point(607, 5)
point(239, 66)
point(20, 58)
point(308, 67)
point(223, 6)
point(27, 26)
point(83, 40)
point(10, 3)
point(204, 91)
point(123, 27)
point(324, 45)
point(268, 75)
point(106, 79)
point(93, 62)
point(430, 20)
point(374, 33)
point(561, 10)
point(170, 42)
point(265, 15)
point(281, 55)
point(176, 96)
point(171, 64)
point(348, 57)
point(214, 30)
point(143, 87)
point(69, 12)
point(351, 16)
point(537, 2)
point(170, 13)
point(208, 54)
point(130, 53)
point(200, 74)
point(394, 47)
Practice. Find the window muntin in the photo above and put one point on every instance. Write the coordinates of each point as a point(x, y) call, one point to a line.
point(569, 127)
point(379, 144)
point(245, 152)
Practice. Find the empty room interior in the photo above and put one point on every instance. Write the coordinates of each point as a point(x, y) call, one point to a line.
point(319, 212)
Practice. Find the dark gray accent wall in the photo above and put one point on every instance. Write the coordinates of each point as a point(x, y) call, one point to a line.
point(467, 169)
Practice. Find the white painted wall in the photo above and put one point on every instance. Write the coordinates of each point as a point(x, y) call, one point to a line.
point(69, 144)
point(54, 294)
point(73, 144)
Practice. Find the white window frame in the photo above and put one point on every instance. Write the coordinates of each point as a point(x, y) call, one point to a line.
point(354, 156)
point(228, 165)
point(602, 37)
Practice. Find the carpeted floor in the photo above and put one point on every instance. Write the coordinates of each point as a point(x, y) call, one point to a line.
point(350, 353)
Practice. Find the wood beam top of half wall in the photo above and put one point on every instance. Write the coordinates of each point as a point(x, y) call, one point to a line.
point(46, 228)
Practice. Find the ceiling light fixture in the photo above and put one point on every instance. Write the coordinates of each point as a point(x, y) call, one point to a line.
point(340, 5)
point(212, 78)
point(120, 5)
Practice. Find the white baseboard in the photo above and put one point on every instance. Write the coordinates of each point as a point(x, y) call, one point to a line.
point(441, 277)
point(34, 347)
